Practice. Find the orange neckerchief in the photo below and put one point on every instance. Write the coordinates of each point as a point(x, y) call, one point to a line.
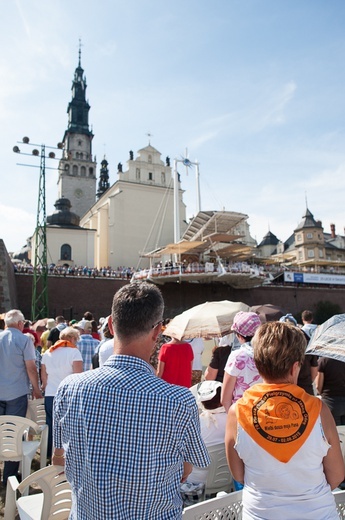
point(62, 343)
point(278, 417)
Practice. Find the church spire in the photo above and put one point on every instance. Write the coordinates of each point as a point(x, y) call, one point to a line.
point(103, 183)
point(78, 108)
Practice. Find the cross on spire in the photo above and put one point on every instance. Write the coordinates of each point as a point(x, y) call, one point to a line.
point(80, 46)
point(149, 135)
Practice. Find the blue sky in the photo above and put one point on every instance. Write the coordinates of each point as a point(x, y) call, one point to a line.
point(253, 88)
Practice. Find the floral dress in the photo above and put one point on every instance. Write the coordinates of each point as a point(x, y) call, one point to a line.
point(241, 365)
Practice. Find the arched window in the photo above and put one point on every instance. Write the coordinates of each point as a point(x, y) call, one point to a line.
point(90, 172)
point(67, 168)
point(75, 169)
point(66, 252)
point(163, 178)
point(137, 174)
point(83, 171)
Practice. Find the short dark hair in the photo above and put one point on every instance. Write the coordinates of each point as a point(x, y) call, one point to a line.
point(307, 315)
point(88, 316)
point(277, 346)
point(215, 402)
point(137, 307)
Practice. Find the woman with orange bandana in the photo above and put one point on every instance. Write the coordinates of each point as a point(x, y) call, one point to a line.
point(281, 442)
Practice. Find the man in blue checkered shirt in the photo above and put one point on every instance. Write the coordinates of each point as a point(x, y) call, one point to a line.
point(128, 437)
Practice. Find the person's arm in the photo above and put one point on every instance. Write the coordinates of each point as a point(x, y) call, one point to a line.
point(187, 469)
point(210, 373)
point(227, 390)
point(236, 464)
point(33, 376)
point(77, 367)
point(49, 344)
point(333, 462)
point(319, 382)
point(58, 458)
point(44, 376)
point(160, 368)
point(313, 373)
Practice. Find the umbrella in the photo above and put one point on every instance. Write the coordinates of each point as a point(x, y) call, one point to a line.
point(268, 312)
point(328, 339)
point(208, 320)
point(40, 324)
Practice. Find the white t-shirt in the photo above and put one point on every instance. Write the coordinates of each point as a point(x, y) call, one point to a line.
point(59, 364)
point(105, 351)
point(197, 345)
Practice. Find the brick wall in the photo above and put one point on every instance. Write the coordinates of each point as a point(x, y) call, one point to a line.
point(73, 296)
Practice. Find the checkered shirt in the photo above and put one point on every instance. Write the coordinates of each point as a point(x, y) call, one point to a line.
point(126, 434)
point(88, 347)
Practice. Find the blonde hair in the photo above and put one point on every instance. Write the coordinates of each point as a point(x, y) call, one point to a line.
point(277, 346)
point(69, 333)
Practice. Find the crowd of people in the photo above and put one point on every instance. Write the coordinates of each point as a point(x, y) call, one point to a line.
point(131, 412)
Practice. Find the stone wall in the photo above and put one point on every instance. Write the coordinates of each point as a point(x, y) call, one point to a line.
point(8, 298)
point(73, 296)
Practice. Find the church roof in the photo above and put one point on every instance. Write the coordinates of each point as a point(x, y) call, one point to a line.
point(149, 149)
point(63, 216)
point(308, 221)
point(269, 240)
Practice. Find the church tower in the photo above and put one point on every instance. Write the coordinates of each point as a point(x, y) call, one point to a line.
point(77, 169)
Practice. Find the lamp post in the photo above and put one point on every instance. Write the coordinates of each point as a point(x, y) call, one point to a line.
point(39, 301)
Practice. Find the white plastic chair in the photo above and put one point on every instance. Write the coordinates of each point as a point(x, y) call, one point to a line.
point(227, 506)
point(219, 477)
point(340, 503)
point(54, 502)
point(13, 446)
point(37, 413)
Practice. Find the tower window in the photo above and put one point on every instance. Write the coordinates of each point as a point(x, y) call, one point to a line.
point(150, 176)
point(137, 174)
point(163, 178)
point(83, 171)
point(90, 172)
point(309, 235)
point(67, 168)
point(79, 143)
point(75, 169)
point(66, 252)
point(311, 253)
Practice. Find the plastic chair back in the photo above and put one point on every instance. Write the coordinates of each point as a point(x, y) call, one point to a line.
point(227, 507)
point(340, 503)
point(12, 429)
point(219, 477)
point(55, 504)
point(36, 411)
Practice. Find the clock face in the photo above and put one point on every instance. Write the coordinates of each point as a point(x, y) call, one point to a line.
point(78, 193)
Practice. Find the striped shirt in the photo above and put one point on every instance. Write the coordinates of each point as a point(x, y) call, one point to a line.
point(126, 434)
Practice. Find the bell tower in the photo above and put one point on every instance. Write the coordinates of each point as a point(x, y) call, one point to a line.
point(77, 169)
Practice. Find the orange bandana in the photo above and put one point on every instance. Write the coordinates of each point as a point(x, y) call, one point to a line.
point(278, 417)
point(62, 343)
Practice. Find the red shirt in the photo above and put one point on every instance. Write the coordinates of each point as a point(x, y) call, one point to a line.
point(178, 359)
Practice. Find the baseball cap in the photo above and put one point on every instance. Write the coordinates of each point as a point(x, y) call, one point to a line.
point(246, 323)
point(207, 390)
point(85, 325)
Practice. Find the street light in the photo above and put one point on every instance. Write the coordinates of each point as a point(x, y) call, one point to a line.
point(39, 302)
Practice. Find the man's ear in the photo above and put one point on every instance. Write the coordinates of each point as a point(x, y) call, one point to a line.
point(110, 325)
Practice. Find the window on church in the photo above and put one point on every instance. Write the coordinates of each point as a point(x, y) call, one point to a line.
point(81, 156)
point(66, 252)
point(79, 143)
point(67, 168)
point(163, 178)
point(149, 160)
point(137, 174)
point(90, 172)
point(150, 176)
point(83, 171)
point(75, 169)
point(311, 253)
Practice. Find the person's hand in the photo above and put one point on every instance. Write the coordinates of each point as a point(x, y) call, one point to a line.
point(37, 394)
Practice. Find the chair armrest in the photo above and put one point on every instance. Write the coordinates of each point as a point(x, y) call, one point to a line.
point(11, 496)
point(44, 445)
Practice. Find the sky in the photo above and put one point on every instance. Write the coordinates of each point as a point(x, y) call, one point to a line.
point(254, 89)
